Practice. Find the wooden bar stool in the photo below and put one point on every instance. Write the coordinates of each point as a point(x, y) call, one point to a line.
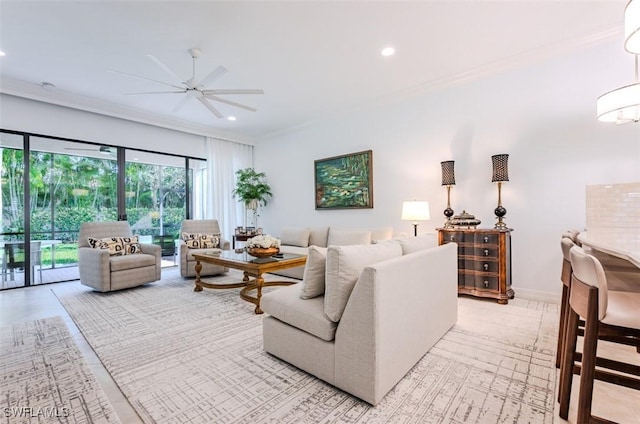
point(609, 315)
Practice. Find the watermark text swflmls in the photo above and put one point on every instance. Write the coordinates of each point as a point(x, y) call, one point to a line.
point(29, 412)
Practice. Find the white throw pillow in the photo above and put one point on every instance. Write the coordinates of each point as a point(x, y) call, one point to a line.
point(339, 237)
point(413, 244)
point(344, 266)
point(314, 273)
point(293, 236)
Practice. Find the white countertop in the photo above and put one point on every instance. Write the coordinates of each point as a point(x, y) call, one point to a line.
point(627, 248)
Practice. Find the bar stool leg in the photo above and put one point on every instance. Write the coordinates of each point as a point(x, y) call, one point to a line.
point(568, 356)
point(588, 367)
point(562, 325)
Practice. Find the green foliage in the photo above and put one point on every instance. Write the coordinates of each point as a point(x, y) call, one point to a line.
point(251, 185)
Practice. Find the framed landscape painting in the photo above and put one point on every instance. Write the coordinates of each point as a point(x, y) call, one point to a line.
point(344, 182)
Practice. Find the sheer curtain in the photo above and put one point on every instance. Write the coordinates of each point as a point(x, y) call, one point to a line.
point(224, 158)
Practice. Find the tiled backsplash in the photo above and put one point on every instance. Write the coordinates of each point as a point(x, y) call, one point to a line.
point(614, 209)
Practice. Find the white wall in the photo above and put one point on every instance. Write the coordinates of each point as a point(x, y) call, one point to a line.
point(542, 116)
point(21, 114)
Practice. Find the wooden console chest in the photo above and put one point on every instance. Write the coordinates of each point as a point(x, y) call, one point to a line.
point(484, 261)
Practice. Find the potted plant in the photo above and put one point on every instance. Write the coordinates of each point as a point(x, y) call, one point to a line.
point(252, 190)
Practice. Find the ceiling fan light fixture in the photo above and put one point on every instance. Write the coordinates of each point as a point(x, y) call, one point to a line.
point(231, 118)
point(632, 27)
point(620, 105)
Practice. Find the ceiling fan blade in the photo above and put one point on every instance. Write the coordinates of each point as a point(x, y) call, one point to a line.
point(214, 75)
point(229, 102)
point(168, 70)
point(210, 107)
point(232, 91)
point(157, 92)
point(145, 78)
point(181, 104)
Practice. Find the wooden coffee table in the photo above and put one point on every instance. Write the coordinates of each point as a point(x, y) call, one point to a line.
point(252, 267)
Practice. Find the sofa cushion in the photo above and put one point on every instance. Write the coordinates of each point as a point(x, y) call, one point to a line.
point(307, 315)
point(121, 263)
point(341, 237)
point(318, 236)
point(314, 272)
point(381, 233)
point(413, 244)
point(201, 241)
point(191, 252)
point(295, 236)
point(344, 265)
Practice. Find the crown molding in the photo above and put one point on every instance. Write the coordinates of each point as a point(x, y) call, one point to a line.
point(477, 73)
point(31, 91)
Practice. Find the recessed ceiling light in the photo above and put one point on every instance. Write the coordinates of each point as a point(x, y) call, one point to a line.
point(2, 53)
point(231, 118)
point(388, 51)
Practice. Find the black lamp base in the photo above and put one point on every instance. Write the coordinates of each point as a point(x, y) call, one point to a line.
point(500, 212)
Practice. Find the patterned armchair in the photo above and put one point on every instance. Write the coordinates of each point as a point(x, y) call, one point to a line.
point(111, 260)
point(196, 237)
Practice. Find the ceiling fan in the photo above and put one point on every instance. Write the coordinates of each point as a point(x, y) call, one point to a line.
point(193, 89)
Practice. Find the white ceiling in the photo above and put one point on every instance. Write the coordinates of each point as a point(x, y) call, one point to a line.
point(313, 59)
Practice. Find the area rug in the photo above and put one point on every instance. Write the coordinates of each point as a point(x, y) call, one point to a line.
point(44, 379)
point(186, 357)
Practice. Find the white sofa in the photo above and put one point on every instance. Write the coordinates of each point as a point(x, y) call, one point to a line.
point(298, 240)
point(396, 310)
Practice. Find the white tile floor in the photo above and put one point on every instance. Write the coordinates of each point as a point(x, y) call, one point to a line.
point(612, 402)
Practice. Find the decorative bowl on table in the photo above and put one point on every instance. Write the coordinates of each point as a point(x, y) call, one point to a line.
point(261, 252)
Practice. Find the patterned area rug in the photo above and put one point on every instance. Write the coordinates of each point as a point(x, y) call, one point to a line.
point(186, 357)
point(44, 379)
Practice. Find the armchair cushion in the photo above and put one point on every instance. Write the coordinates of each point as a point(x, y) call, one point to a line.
point(201, 241)
point(414, 244)
point(191, 252)
point(120, 263)
point(116, 246)
point(344, 266)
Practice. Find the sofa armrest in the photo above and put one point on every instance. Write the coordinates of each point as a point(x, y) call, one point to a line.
point(397, 311)
point(94, 269)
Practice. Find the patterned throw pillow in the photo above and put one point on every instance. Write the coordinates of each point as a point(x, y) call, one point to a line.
point(201, 241)
point(117, 246)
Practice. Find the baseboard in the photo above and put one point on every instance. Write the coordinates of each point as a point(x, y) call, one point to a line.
point(542, 296)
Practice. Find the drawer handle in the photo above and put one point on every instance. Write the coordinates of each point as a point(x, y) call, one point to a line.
point(486, 283)
point(452, 237)
point(486, 252)
point(486, 267)
point(485, 239)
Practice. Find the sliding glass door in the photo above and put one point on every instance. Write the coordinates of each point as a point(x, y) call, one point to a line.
point(62, 183)
point(156, 198)
point(12, 206)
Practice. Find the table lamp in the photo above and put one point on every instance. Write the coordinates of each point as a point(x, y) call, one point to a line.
point(500, 175)
point(415, 211)
point(448, 179)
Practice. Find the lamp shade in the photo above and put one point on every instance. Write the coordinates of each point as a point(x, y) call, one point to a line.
point(448, 175)
point(632, 27)
point(500, 168)
point(620, 105)
point(415, 211)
